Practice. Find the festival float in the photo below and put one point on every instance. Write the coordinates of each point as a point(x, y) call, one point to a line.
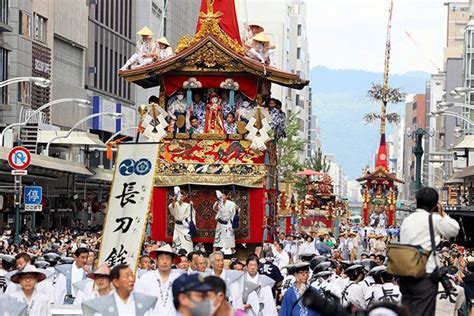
point(243, 164)
point(319, 210)
point(379, 191)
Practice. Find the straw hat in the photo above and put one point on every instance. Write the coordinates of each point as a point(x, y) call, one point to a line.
point(164, 41)
point(145, 31)
point(166, 249)
point(257, 25)
point(102, 270)
point(28, 269)
point(261, 37)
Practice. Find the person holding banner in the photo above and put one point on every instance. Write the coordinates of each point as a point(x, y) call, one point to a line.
point(181, 212)
point(68, 274)
point(160, 281)
point(96, 285)
point(226, 210)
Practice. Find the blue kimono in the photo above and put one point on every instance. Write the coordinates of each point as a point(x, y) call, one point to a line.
point(288, 306)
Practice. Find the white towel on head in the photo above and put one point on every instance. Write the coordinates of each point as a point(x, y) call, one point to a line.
point(219, 194)
point(177, 193)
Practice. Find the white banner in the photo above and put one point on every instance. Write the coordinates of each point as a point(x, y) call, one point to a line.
point(129, 203)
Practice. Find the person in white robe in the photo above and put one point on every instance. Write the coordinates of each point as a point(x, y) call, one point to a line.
point(234, 279)
point(38, 303)
point(146, 50)
point(164, 49)
point(181, 212)
point(257, 293)
point(67, 275)
point(178, 107)
point(159, 282)
point(124, 301)
point(226, 210)
point(96, 285)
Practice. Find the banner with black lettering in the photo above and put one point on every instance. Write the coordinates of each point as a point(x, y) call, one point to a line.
point(129, 204)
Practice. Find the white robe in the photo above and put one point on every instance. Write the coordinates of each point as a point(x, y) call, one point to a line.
point(262, 296)
point(164, 53)
point(225, 237)
point(148, 284)
point(38, 305)
point(181, 237)
point(235, 290)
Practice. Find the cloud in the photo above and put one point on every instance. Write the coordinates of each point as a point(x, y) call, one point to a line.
point(349, 34)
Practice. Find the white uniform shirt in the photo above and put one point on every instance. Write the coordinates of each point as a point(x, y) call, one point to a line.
point(38, 304)
point(415, 231)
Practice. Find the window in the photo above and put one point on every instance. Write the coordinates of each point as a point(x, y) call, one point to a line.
point(3, 75)
point(156, 10)
point(413, 121)
point(299, 29)
point(414, 106)
point(40, 28)
point(298, 53)
point(297, 98)
point(25, 24)
point(4, 6)
point(24, 92)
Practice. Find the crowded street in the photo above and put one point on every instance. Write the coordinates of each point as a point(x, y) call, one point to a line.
point(218, 158)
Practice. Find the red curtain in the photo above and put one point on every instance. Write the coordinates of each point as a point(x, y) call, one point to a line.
point(160, 220)
point(228, 20)
point(247, 84)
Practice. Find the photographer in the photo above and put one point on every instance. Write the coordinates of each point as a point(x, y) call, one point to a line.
point(419, 294)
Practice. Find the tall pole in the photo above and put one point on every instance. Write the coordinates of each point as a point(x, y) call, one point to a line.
point(383, 110)
point(17, 208)
point(418, 151)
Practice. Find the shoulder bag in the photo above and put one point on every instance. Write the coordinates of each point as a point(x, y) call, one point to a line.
point(408, 260)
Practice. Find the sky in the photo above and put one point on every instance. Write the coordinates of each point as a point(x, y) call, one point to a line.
point(350, 34)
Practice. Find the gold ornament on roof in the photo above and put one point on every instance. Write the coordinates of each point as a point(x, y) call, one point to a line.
point(210, 25)
point(210, 57)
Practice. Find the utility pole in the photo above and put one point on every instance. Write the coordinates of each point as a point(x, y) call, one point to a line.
point(17, 208)
point(418, 151)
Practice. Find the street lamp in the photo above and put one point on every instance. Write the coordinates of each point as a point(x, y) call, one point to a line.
point(444, 105)
point(112, 114)
point(449, 113)
point(417, 137)
point(80, 102)
point(120, 132)
point(39, 81)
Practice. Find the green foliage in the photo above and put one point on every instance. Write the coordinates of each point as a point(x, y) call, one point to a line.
point(289, 148)
point(392, 118)
point(317, 162)
point(393, 95)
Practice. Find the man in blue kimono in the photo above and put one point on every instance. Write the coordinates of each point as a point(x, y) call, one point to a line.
point(291, 304)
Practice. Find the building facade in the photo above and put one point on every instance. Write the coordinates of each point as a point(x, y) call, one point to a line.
point(457, 19)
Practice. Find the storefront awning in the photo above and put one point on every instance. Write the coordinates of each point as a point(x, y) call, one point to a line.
point(76, 138)
point(465, 172)
point(44, 162)
point(467, 142)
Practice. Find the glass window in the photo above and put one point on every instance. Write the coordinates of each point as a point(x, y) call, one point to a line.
point(3, 75)
point(25, 24)
point(298, 53)
point(4, 6)
point(299, 29)
point(24, 92)
point(40, 28)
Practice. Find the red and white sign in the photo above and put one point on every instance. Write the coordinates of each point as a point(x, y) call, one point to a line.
point(19, 158)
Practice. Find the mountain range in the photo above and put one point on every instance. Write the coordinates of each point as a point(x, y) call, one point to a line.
point(340, 102)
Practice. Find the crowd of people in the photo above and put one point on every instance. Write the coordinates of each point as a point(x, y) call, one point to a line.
point(310, 273)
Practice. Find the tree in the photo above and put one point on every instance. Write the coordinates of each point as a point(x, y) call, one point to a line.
point(317, 162)
point(289, 148)
point(392, 95)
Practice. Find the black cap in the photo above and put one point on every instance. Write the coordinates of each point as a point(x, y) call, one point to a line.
point(190, 282)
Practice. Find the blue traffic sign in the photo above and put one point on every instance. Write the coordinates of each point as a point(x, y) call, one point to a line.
point(33, 195)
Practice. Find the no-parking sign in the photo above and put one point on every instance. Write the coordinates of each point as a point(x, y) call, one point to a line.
point(19, 158)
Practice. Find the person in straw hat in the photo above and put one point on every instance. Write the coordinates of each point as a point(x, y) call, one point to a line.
point(98, 284)
point(160, 281)
point(251, 30)
point(261, 50)
point(146, 50)
point(38, 303)
point(164, 49)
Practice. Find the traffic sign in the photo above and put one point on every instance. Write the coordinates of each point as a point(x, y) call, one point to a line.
point(33, 195)
point(19, 158)
point(19, 172)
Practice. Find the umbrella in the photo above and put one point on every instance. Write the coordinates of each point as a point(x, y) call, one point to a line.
point(308, 172)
